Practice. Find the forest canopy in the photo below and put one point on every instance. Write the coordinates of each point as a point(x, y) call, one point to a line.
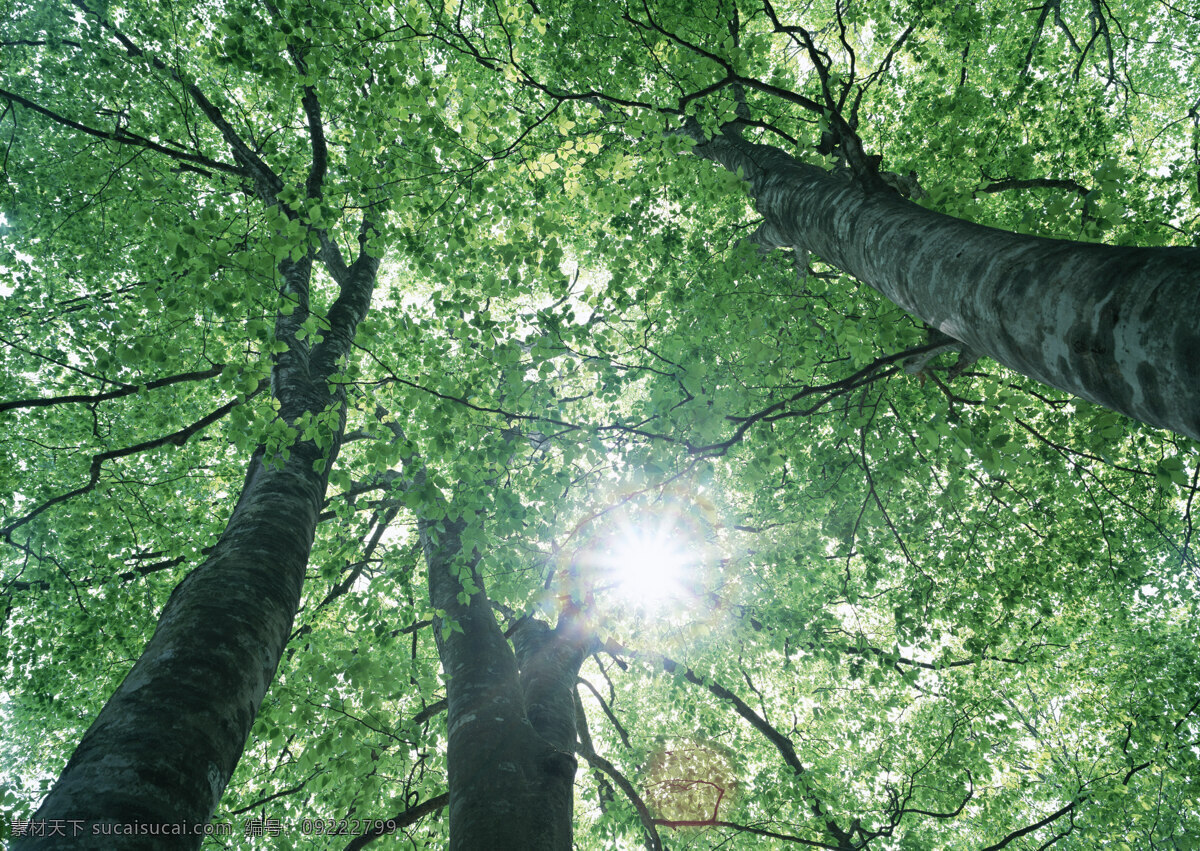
point(600, 424)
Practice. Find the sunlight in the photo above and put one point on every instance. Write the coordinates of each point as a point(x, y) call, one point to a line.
point(648, 568)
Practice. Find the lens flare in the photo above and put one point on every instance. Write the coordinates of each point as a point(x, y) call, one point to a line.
point(648, 569)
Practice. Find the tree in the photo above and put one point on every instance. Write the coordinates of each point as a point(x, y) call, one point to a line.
point(221, 635)
point(1112, 324)
point(920, 603)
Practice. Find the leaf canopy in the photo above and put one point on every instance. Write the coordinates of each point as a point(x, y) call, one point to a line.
point(957, 603)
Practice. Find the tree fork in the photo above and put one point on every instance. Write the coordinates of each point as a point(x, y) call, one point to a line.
point(510, 715)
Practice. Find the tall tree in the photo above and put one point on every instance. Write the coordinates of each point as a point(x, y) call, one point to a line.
point(167, 742)
point(637, 530)
point(1112, 324)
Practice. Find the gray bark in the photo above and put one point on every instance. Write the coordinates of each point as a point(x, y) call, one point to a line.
point(549, 661)
point(1118, 326)
point(150, 770)
point(163, 748)
point(510, 716)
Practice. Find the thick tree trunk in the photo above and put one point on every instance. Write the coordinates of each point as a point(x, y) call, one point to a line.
point(511, 730)
point(1119, 326)
point(162, 750)
point(151, 769)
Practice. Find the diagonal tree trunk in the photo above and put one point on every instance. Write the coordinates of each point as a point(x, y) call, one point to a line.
point(150, 770)
point(1119, 326)
point(510, 716)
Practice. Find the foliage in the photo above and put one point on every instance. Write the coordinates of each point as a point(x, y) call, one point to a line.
point(932, 607)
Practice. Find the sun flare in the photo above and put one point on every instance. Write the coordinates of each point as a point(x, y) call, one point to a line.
point(649, 569)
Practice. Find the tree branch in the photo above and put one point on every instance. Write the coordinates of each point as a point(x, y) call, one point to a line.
point(770, 834)
point(1035, 183)
point(267, 183)
point(312, 111)
point(177, 438)
point(124, 137)
point(124, 576)
point(783, 745)
point(402, 819)
point(653, 840)
point(127, 390)
point(1017, 834)
point(283, 793)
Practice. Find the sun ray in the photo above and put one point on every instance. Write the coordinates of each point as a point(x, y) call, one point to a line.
point(649, 568)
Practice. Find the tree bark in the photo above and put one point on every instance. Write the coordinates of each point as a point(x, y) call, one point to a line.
point(162, 750)
point(1118, 326)
point(510, 717)
point(150, 770)
point(549, 660)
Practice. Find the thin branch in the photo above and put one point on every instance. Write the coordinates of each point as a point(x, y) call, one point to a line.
point(612, 718)
point(770, 834)
point(123, 137)
point(431, 711)
point(177, 438)
point(594, 759)
point(283, 793)
point(267, 183)
point(1066, 451)
point(879, 71)
point(778, 410)
point(783, 745)
point(127, 390)
point(1035, 183)
point(16, 586)
point(1038, 28)
point(402, 819)
point(1017, 834)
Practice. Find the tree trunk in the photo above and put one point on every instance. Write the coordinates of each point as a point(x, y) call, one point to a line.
point(511, 730)
point(549, 661)
point(162, 750)
point(1119, 326)
point(151, 769)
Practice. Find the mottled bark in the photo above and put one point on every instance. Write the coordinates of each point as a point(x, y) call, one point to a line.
point(163, 748)
point(150, 770)
point(1119, 326)
point(510, 717)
